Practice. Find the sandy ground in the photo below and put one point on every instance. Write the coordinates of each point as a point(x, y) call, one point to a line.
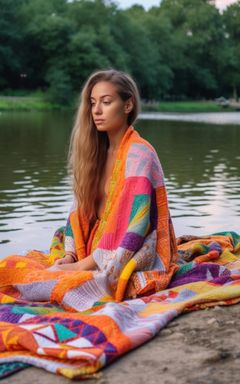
point(200, 347)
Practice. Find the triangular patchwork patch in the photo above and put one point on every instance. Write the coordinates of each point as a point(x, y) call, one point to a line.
point(64, 333)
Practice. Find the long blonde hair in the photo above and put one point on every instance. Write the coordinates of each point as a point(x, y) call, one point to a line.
point(88, 146)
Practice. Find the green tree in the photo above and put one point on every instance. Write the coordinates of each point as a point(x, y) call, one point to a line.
point(93, 44)
point(180, 49)
point(47, 32)
point(141, 58)
point(198, 35)
point(12, 45)
point(231, 68)
point(60, 89)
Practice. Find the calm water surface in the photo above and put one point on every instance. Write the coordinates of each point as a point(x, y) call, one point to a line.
point(200, 160)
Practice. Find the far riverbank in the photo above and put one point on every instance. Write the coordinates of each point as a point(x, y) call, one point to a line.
point(40, 102)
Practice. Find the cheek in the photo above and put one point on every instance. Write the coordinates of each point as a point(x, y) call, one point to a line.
point(118, 112)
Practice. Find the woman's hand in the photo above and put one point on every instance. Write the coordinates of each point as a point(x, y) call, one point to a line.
point(68, 259)
point(86, 264)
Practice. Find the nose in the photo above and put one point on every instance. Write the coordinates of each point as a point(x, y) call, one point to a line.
point(97, 108)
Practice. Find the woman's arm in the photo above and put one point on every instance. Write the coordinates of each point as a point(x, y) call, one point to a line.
point(67, 259)
point(86, 264)
point(69, 244)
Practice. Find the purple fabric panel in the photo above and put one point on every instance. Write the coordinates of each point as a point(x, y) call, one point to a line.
point(6, 315)
point(132, 241)
point(202, 272)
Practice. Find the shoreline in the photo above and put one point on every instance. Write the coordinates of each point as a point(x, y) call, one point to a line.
point(220, 118)
point(40, 103)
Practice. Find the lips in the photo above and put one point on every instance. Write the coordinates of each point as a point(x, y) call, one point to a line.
point(99, 121)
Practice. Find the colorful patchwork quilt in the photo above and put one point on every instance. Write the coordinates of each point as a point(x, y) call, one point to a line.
point(56, 336)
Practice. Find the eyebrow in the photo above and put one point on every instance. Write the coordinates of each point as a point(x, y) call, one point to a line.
point(101, 97)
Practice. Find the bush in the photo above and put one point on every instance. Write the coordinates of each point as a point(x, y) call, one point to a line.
point(60, 90)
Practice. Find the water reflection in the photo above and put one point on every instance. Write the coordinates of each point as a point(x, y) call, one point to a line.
point(201, 165)
point(200, 161)
point(35, 193)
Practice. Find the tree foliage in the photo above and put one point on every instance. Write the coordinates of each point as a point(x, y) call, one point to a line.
point(180, 49)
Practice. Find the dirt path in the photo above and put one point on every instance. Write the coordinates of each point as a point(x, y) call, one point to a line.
point(200, 347)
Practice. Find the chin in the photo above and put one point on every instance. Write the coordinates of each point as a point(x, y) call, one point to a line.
point(100, 129)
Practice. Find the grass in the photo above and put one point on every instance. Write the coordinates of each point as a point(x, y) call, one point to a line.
point(29, 104)
point(26, 103)
point(23, 101)
point(37, 101)
point(182, 106)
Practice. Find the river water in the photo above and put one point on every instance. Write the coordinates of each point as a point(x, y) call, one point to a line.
point(199, 154)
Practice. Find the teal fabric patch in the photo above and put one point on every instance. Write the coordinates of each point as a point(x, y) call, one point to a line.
point(139, 226)
point(64, 333)
point(7, 369)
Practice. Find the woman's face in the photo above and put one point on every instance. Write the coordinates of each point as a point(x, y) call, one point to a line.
point(109, 111)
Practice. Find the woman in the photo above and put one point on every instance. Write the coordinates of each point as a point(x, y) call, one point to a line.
point(119, 241)
point(117, 175)
point(102, 120)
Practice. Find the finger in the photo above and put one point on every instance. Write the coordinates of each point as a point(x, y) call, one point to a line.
point(57, 262)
